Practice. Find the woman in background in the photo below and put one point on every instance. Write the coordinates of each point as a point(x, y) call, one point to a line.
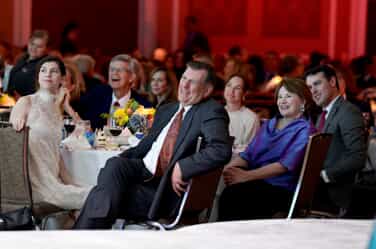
point(244, 123)
point(163, 87)
point(75, 84)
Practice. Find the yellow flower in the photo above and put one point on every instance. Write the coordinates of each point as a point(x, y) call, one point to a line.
point(121, 117)
point(119, 113)
point(6, 100)
point(122, 121)
point(149, 111)
point(139, 110)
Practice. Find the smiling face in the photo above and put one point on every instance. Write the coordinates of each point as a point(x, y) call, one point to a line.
point(289, 104)
point(234, 90)
point(50, 77)
point(192, 87)
point(159, 85)
point(323, 90)
point(120, 75)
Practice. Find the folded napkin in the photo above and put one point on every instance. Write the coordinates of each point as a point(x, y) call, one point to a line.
point(74, 142)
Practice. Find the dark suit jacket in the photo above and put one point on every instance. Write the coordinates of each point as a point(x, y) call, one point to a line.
point(98, 101)
point(347, 152)
point(207, 119)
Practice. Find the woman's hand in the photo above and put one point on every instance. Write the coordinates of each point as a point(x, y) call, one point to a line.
point(18, 123)
point(234, 175)
point(62, 96)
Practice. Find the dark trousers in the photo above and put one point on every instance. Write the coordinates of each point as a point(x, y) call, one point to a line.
point(252, 200)
point(121, 191)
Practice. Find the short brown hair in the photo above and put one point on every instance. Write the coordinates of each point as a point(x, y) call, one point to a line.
point(41, 34)
point(298, 87)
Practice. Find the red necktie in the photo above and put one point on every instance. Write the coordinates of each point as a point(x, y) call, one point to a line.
point(169, 143)
point(322, 121)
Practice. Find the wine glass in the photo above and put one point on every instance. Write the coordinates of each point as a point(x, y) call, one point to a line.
point(115, 130)
point(69, 125)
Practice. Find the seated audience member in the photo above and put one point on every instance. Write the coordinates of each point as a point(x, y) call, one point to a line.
point(272, 62)
point(244, 123)
point(74, 83)
point(86, 65)
point(7, 56)
point(139, 83)
point(42, 112)
point(232, 67)
point(21, 78)
point(261, 180)
point(105, 98)
point(163, 87)
point(291, 66)
point(127, 184)
point(347, 152)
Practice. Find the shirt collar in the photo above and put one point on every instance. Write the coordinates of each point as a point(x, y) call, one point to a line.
point(329, 107)
point(123, 100)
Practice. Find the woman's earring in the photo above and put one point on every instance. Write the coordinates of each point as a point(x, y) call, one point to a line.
point(302, 109)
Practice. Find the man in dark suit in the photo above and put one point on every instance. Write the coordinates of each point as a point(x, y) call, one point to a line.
point(347, 152)
point(103, 99)
point(128, 183)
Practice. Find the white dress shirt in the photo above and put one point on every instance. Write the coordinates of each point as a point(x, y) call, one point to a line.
point(151, 158)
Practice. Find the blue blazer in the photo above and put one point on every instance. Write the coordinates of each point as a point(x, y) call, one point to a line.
point(98, 101)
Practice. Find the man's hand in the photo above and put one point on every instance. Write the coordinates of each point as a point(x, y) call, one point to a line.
point(233, 175)
point(178, 185)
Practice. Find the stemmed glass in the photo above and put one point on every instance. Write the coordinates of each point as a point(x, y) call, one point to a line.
point(115, 130)
point(69, 125)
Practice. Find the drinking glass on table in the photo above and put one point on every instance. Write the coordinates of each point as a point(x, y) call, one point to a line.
point(69, 125)
point(114, 129)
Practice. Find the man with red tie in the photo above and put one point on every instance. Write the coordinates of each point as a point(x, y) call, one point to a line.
point(167, 156)
point(347, 152)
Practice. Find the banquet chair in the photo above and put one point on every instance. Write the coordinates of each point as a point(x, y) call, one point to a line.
point(15, 185)
point(193, 202)
point(309, 177)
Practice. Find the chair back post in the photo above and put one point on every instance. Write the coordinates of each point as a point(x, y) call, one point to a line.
point(15, 186)
point(314, 158)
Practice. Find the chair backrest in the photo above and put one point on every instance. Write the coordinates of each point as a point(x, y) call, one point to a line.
point(314, 158)
point(199, 195)
point(15, 189)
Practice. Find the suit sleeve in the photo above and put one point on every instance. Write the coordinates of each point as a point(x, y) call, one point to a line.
point(217, 149)
point(353, 157)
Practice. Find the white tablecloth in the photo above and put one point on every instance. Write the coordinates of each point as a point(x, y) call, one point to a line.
point(84, 165)
point(263, 234)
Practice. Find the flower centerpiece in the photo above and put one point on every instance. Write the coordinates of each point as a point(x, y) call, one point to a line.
point(134, 116)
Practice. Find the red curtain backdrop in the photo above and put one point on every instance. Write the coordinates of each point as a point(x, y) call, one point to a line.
point(220, 17)
point(292, 18)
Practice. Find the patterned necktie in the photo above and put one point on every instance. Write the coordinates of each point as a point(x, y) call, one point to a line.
point(169, 143)
point(322, 121)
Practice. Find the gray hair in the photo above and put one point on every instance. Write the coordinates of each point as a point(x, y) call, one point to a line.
point(84, 62)
point(134, 67)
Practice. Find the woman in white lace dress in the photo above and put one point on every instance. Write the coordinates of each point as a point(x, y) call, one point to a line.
point(42, 112)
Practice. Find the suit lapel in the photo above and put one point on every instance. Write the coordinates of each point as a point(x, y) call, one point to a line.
point(332, 113)
point(166, 118)
point(186, 124)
